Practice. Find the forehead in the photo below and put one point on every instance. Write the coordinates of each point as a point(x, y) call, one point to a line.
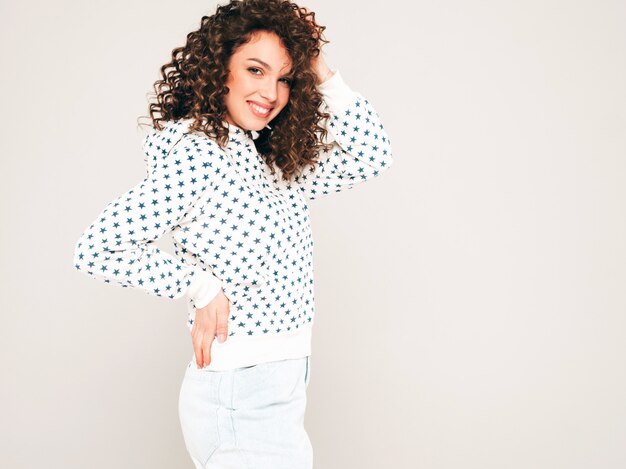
point(267, 47)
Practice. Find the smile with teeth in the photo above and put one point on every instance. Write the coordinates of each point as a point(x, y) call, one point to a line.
point(259, 111)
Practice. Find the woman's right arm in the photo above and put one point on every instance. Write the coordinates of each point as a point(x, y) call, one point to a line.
point(118, 247)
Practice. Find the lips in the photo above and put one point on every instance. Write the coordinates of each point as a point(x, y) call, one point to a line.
point(258, 109)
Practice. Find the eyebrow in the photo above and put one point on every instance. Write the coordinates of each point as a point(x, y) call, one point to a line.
point(266, 65)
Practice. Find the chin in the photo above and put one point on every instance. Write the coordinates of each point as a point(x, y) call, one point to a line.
point(257, 127)
point(257, 123)
point(250, 123)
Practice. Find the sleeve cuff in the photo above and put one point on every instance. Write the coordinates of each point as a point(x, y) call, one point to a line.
point(336, 93)
point(203, 288)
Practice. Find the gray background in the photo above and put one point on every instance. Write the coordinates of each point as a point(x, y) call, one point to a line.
point(470, 302)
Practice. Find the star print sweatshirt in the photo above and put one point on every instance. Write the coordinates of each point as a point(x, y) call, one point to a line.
point(235, 227)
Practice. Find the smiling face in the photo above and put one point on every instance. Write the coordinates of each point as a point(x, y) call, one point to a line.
point(258, 82)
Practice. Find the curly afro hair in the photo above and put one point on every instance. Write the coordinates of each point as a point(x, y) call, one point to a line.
point(193, 84)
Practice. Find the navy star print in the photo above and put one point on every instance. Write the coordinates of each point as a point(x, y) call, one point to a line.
point(230, 216)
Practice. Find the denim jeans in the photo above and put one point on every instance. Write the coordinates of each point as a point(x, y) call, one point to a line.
point(247, 418)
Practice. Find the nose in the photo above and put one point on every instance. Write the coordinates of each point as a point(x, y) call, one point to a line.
point(269, 90)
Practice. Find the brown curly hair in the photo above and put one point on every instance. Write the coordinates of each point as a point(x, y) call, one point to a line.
point(194, 82)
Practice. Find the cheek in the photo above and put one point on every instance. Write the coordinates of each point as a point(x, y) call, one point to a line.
point(284, 99)
point(237, 86)
point(229, 101)
point(236, 92)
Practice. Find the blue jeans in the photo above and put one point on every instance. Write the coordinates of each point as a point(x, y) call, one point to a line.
point(250, 417)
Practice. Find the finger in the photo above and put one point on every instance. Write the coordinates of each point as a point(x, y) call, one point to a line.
point(196, 340)
point(208, 334)
point(222, 325)
point(207, 341)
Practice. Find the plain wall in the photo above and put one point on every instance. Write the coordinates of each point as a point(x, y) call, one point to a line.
point(470, 303)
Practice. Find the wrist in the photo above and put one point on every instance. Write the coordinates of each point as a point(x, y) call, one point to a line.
point(204, 288)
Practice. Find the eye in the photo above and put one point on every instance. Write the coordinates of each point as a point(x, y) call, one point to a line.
point(254, 70)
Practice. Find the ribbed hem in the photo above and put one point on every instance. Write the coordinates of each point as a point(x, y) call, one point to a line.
point(237, 352)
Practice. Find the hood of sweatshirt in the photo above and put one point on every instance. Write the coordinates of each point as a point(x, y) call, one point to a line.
point(173, 131)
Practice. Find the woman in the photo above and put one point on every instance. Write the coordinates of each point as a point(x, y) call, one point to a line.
point(250, 124)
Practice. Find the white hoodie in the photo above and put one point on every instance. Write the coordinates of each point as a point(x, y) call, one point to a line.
point(235, 227)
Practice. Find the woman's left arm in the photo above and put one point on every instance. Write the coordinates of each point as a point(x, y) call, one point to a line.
point(361, 149)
